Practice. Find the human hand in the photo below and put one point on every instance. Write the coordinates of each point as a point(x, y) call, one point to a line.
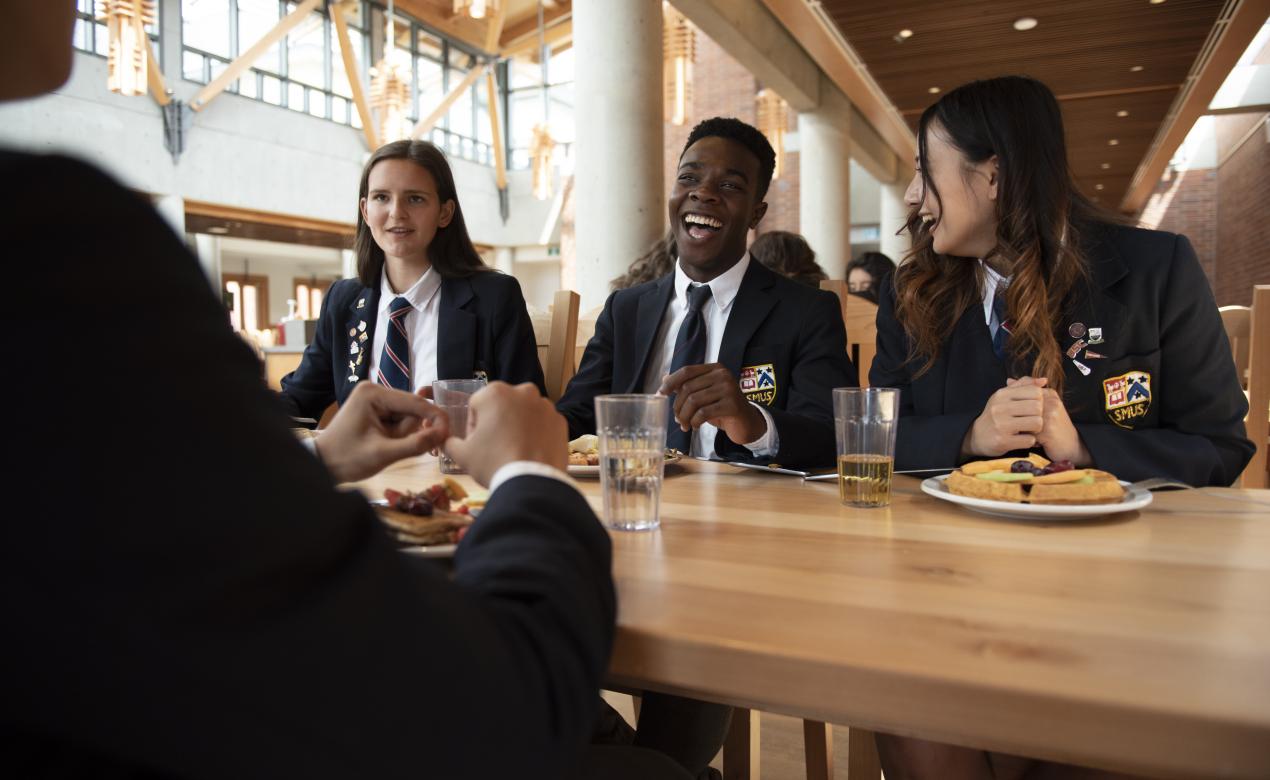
point(376, 427)
point(507, 424)
point(1009, 421)
point(1058, 435)
point(710, 394)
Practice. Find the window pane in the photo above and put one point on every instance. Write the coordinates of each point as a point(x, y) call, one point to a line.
point(205, 25)
point(428, 81)
point(255, 19)
point(526, 111)
point(304, 53)
point(302, 301)
point(102, 40)
point(235, 309)
point(192, 66)
point(315, 302)
point(339, 76)
point(483, 131)
point(562, 129)
point(272, 91)
point(85, 6)
point(295, 96)
point(81, 35)
point(461, 111)
point(560, 67)
point(401, 32)
point(429, 45)
point(317, 103)
point(339, 110)
point(525, 73)
point(247, 85)
point(250, 318)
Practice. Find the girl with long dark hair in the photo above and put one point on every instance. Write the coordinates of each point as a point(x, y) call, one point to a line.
point(423, 306)
point(1026, 319)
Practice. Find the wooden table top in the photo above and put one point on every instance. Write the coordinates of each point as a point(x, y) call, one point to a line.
point(1138, 642)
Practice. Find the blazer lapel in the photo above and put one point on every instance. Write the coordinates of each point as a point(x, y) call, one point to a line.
point(456, 331)
point(753, 303)
point(972, 371)
point(652, 308)
point(363, 311)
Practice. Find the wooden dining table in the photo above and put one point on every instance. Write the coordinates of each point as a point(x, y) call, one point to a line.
point(1137, 642)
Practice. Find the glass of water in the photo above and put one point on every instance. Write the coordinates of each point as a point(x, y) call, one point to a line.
point(865, 419)
point(453, 396)
point(632, 434)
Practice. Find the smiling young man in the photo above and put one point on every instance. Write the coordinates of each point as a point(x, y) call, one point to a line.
point(748, 357)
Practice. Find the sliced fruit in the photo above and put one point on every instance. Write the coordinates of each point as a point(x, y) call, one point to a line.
point(1006, 476)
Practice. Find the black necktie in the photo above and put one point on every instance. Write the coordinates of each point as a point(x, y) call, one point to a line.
point(1002, 334)
point(690, 350)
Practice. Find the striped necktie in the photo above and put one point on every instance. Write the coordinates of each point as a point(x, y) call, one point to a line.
point(394, 364)
point(690, 350)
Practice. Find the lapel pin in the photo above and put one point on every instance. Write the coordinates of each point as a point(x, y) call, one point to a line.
point(1091, 355)
point(352, 348)
point(1095, 336)
point(1076, 330)
point(1075, 348)
point(360, 355)
point(353, 378)
point(1081, 367)
point(352, 331)
point(362, 337)
point(361, 325)
point(361, 303)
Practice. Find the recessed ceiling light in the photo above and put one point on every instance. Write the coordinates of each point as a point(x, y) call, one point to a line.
point(906, 33)
point(933, 90)
point(1136, 69)
point(218, 230)
point(1157, 2)
point(1122, 113)
point(1098, 186)
point(1106, 166)
point(1024, 23)
point(1113, 142)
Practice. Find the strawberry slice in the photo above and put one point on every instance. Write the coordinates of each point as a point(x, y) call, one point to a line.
point(392, 496)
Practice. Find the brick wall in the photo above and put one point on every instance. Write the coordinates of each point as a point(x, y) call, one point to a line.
point(1243, 191)
point(723, 87)
point(1221, 210)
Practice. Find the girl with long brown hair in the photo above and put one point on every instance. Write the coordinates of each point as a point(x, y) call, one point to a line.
point(423, 306)
point(1026, 319)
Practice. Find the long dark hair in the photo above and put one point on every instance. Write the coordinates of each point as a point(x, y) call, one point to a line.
point(878, 266)
point(789, 255)
point(451, 251)
point(1040, 217)
point(657, 261)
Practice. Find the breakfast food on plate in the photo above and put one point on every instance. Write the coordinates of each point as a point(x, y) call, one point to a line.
point(585, 451)
point(425, 517)
point(1035, 480)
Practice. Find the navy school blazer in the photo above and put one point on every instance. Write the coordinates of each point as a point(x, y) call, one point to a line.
point(784, 341)
point(483, 329)
point(1161, 398)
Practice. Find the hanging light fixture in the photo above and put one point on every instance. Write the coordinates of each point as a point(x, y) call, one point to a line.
point(390, 87)
point(477, 9)
point(128, 59)
point(679, 51)
point(543, 145)
point(773, 118)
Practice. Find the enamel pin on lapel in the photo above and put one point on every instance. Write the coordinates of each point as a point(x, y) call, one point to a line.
point(1095, 336)
point(1075, 348)
point(361, 303)
point(1081, 367)
point(361, 325)
point(1076, 330)
point(1091, 355)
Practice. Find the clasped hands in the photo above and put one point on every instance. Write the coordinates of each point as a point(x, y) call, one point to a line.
point(1025, 414)
point(377, 426)
point(709, 393)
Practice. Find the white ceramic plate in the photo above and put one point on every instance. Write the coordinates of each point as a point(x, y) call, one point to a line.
point(594, 471)
point(1133, 499)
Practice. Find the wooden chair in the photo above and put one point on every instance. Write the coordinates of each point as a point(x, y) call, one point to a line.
point(1238, 323)
point(741, 750)
point(559, 366)
point(1258, 422)
point(861, 318)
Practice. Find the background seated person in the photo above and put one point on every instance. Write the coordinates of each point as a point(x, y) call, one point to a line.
point(749, 358)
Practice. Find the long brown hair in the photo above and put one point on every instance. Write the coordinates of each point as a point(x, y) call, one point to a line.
point(1040, 217)
point(657, 261)
point(789, 254)
point(451, 251)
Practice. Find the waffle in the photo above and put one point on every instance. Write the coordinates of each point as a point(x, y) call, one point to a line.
point(1074, 486)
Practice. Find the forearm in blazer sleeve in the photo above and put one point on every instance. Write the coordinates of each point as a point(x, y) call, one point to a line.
point(515, 346)
point(805, 425)
point(594, 377)
point(1201, 438)
point(921, 441)
point(307, 391)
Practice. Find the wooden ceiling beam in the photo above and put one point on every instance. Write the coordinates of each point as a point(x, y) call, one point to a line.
point(469, 31)
point(513, 33)
point(249, 57)
point(426, 124)
point(528, 45)
point(1232, 37)
point(353, 76)
point(154, 76)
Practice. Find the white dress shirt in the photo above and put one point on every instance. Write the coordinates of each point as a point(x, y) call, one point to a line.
point(723, 290)
point(992, 283)
point(421, 325)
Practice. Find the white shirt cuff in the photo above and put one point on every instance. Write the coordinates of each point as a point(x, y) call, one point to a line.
point(310, 444)
point(527, 468)
point(770, 442)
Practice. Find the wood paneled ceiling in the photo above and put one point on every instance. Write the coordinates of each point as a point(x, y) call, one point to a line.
point(515, 22)
point(1100, 57)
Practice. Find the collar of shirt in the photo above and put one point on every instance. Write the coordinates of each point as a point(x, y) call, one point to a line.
point(992, 281)
point(419, 294)
point(723, 288)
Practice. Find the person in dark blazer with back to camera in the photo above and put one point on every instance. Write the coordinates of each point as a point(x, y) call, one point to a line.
point(423, 306)
point(1027, 319)
point(187, 593)
point(749, 357)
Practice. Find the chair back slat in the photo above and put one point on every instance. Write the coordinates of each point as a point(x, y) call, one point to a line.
point(559, 366)
point(1237, 320)
point(1258, 423)
point(861, 318)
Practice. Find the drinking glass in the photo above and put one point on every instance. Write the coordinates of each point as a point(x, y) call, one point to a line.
point(453, 396)
point(865, 421)
point(632, 434)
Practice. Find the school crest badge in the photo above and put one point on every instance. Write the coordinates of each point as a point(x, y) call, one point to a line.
point(758, 383)
point(1127, 397)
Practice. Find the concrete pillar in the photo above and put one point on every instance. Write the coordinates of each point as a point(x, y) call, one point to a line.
point(620, 198)
point(894, 214)
point(169, 51)
point(505, 259)
point(824, 177)
point(208, 250)
point(348, 263)
point(172, 209)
